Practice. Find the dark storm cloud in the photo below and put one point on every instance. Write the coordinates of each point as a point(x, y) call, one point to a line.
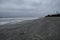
point(30, 6)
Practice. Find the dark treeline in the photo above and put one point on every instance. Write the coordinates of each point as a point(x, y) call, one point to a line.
point(54, 15)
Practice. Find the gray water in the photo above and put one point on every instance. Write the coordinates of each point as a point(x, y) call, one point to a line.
point(14, 20)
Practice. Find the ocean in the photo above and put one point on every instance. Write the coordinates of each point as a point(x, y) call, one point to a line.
point(14, 20)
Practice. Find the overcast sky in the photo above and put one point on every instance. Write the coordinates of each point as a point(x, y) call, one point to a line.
point(40, 7)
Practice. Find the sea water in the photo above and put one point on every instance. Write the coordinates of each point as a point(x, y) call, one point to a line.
point(14, 20)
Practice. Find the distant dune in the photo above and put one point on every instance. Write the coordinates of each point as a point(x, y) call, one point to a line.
point(46, 28)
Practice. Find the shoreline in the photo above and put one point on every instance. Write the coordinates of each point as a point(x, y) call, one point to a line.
point(4, 21)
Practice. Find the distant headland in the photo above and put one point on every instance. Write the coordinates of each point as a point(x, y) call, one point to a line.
point(54, 15)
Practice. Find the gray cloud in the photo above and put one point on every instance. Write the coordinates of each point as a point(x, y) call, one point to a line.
point(30, 6)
